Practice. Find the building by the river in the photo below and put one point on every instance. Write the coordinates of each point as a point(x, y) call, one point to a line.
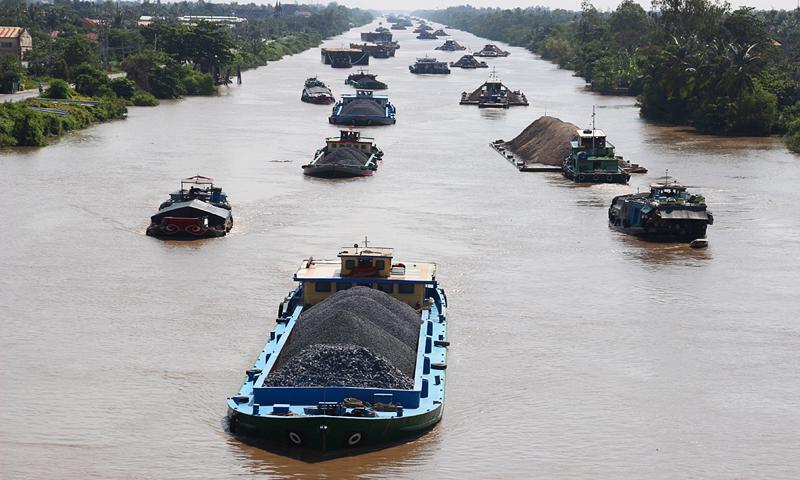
point(15, 41)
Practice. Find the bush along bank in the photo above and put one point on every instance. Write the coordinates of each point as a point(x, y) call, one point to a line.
point(31, 123)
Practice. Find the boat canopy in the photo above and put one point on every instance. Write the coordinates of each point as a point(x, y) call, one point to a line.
point(190, 208)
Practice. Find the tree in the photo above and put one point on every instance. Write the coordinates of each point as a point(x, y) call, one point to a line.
point(11, 73)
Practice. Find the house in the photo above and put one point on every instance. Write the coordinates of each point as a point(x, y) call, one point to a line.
point(15, 40)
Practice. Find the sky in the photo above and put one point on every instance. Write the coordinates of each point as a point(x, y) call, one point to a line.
point(566, 4)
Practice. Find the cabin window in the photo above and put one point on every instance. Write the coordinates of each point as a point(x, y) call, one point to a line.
point(380, 264)
point(405, 288)
point(364, 263)
point(349, 264)
point(368, 285)
point(343, 286)
point(386, 287)
point(322, 286)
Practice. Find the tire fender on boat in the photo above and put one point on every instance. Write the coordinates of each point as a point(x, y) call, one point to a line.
point(580, 177)
point(609, 177)
point(595, 178)
point(171, 228)
point(295, 438)
point(354, 439)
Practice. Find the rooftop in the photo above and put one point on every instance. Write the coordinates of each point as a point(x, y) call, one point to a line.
point(588, 133)
point(11, 32)
point(366, 251)
point(312, 269)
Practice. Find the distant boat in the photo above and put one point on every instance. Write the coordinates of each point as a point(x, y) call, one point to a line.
point(592, 159)
point(197, 210)
point(315, 91)
point(450, 46)
point(494, 94)
point(427, 36)
point(468, 62)
point(348, 155)
point(491, 50)
point(363, 108)
point(429, 65)
point(364, 80)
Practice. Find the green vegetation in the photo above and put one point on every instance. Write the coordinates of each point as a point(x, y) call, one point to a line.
point(692, 62)
point(79, 42)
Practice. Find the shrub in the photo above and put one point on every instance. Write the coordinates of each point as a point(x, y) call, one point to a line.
point(123, 87)
point(89, 80)
point(144, 99)
point(196, 83)
point(58, 89)
point(792, 137)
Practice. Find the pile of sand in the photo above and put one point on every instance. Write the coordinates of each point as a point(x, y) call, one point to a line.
point(544, 141)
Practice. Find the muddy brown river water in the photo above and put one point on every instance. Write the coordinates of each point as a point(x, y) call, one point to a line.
point(577, 352)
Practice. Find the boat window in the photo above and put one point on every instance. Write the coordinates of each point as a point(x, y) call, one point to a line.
point(368, 285)
point(343, 286)
point(349, 264)
point(405, 288)
point(380, 264)
point(386, 287)
point(364, 263)
point(322, 286)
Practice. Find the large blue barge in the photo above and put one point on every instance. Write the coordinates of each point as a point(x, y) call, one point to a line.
point(340, 417)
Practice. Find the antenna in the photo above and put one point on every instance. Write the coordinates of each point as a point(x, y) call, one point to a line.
point(366, 242)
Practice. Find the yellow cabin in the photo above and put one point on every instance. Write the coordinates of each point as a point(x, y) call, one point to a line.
point(365, 266)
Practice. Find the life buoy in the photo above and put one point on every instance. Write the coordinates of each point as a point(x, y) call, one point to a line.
point(354, 439)
point(295, 438)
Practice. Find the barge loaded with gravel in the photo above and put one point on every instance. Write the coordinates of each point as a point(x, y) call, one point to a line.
point(348, 155)
point(197, 210)
point(357, 358)
point(363, 108)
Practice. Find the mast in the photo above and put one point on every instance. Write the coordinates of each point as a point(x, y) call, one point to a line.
point(593, 114)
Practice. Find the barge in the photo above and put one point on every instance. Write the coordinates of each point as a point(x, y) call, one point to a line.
point(425, 35)
point(315, 91)
point(340, 417)
point(450, 46)
point(428, 65)
point(469, 62)
point(197, 210)
point(363, 108)
point(344, 57)
point(491, 50)
point(494, 94)
point(348, 155)
point(668, 213)
point(364, 80)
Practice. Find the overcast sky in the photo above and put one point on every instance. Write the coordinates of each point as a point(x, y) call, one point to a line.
point(567, 4)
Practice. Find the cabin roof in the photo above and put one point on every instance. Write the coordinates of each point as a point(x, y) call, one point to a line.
point(588, 133)
point(199, 179)
point(671, 185)
point(312, 269)
point(366, 251)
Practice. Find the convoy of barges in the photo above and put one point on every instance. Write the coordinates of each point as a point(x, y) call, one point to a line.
point(287, 399)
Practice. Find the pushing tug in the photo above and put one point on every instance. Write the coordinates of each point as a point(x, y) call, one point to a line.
point(363, 108)
point(364, 80)
point(491, 50)
point(428, 65)
point(469, 62)
point(668, 213)
point(197, 210)
point(348, 411)
point(450, 46)
point(494, 94)
point(592, 159)
point(315, 91)
point(348, 155)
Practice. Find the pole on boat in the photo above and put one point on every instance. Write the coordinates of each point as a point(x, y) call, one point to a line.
point(593, 114)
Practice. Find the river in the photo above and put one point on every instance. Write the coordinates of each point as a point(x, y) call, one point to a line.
point(577, 352)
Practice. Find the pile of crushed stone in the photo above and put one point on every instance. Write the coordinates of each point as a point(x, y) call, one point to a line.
point(544, 141)
point(344, 156)
point(362, 107)
point(353, 336)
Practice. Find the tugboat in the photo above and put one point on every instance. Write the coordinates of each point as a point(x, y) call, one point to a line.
point(592, 159)
point(364, 80)
point(468, 61)
point(667, 214)
point(315, 91)
point(430, 66)
point(492, 50)
point(330, 418)
point(348, 155)
point(450, 46)
point(363, 108)
point(197, 210)
point(494, 94)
